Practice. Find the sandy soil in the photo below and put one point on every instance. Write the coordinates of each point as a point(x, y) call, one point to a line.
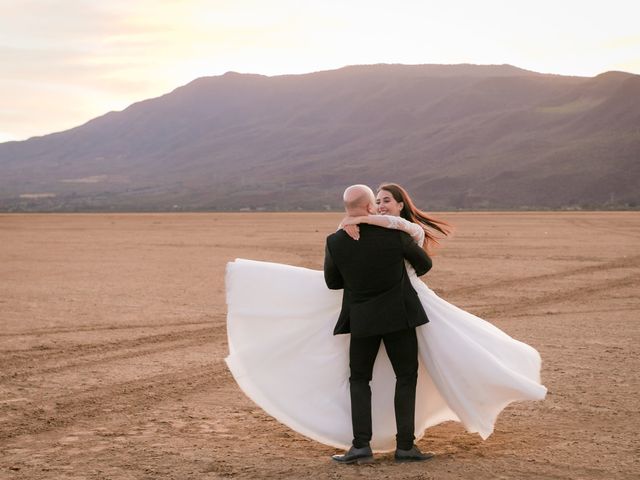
point(113, 339)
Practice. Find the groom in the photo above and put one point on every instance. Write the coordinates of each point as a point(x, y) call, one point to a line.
point(379, 304)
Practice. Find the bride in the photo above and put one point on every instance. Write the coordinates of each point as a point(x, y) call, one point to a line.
point(284, 356)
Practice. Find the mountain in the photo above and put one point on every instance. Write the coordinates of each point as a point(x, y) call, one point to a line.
point(457, 136)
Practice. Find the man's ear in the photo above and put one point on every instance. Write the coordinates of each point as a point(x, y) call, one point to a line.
point(371, 208)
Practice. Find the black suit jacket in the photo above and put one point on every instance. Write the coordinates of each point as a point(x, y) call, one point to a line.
point(378, 295)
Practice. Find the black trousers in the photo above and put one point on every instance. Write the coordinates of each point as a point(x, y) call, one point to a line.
point(402, 349)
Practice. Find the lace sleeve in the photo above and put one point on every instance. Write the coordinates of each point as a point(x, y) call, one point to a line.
point(399, 223)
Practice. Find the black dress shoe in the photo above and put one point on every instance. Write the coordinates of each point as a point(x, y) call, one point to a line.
point(412, 455)
point(355, 455)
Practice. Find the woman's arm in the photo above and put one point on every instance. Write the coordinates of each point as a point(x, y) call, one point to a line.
point(387, 221)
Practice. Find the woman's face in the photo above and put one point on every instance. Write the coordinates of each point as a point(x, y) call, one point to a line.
point(387, 205)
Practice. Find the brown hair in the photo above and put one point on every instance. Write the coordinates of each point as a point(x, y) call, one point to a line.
point(413, 214)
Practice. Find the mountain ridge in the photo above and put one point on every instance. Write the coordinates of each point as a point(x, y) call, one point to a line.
point(458, 136)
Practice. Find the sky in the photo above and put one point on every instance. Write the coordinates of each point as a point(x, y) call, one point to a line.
point(64, 62)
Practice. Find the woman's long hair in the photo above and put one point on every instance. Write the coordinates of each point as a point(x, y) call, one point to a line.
point(413, 214)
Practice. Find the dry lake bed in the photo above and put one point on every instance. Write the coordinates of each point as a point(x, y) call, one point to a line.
point(113, 337)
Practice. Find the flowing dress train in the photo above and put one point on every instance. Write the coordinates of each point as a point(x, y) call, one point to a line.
point(284, 356)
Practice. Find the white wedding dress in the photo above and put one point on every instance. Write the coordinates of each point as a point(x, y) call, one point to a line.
point(284, 356)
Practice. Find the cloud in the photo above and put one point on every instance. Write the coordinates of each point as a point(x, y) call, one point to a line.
point(84, 58)
point(81, 59)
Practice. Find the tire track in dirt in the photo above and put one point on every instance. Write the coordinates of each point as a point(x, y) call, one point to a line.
point(619, 263)
point(18, 365)
point(129, 397)
point(573, 294)
point(579, 312)
point(92, 328)
point(594, 225)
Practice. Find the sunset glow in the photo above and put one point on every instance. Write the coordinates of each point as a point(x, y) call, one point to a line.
point(64, 63)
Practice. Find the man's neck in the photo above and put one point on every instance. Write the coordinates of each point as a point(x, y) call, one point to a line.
point(363, 212)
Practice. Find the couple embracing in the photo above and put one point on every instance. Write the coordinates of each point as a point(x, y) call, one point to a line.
point(438, 363)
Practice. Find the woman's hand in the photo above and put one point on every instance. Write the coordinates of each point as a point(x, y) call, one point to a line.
point(353, 231)
point(350, 225)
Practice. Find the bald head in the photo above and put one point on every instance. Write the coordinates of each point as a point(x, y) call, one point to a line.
point(359, 200)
